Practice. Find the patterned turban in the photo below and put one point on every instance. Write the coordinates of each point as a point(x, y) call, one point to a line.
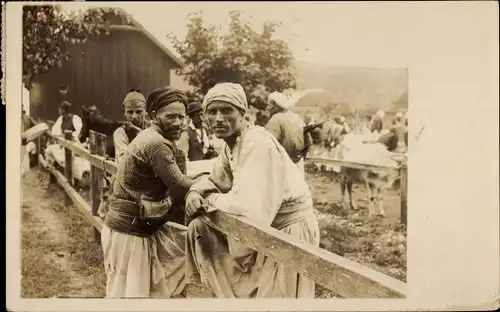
point(161, 97)
point(228, 92)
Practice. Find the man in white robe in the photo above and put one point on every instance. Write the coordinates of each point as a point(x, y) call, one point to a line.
point(253, 177)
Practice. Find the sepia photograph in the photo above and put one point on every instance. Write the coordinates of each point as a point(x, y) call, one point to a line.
point(221, 166)
point(209, 151)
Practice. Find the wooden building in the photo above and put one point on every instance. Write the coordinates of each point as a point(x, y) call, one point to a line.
point(101, 71)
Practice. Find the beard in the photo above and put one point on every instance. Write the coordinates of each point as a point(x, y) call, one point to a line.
point(170, 131)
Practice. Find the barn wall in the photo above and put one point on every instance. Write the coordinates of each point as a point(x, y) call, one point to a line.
point(101, 72)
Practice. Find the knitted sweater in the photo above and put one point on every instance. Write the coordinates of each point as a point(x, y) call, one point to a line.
point(151, 166)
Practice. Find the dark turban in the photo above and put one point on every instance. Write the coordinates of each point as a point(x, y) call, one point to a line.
point(161, 97)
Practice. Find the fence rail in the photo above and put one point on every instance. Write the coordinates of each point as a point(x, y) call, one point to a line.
point(350, 164)
point(342, 276)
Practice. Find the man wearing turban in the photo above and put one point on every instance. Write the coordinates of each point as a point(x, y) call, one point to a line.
point(195, 140)
point(254, 178)
point(134, 109)
point(377, 121)
point(142, 256)
point(287, 127)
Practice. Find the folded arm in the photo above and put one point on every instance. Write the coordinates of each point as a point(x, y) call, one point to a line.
point(219, 180)
point(258, 185)
point(162, 160)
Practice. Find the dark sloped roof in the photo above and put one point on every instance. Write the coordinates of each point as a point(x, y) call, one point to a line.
point(126, 22)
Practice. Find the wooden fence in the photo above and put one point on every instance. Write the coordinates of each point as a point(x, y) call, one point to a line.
point(344, 277)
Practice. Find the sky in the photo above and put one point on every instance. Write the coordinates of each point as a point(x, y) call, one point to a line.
point(319, 32)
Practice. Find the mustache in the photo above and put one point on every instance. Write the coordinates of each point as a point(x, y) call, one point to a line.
point(169, 127)
point(174, 128)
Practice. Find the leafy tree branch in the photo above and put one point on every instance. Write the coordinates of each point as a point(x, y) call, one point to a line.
point(256, 60)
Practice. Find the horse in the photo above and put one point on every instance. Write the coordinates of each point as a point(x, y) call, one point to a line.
point(94, 120)
point(351, 147)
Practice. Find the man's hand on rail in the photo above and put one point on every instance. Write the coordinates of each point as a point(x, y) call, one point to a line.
point(195, 204)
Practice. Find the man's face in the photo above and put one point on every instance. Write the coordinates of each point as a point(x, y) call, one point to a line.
point(273, 108)
point(196, 118)
point(224, 119)
point(135, 112)
point(170, 119)
point(62, 111)
point(262, 117)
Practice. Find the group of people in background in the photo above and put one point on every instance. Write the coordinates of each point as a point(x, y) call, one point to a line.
point(371, 126)
point(389, 136)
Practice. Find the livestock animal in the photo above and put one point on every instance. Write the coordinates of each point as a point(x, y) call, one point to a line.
point(94, 120)
point(350, 147)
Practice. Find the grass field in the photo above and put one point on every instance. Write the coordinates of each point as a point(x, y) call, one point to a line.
point(378, 243)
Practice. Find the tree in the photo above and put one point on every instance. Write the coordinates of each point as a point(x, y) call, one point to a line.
point(47, 29)
point(257, 61)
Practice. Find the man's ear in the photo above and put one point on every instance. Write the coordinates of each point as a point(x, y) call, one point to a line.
point(153, 115)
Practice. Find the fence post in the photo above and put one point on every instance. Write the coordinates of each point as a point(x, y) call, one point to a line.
point(97, 147)
point(404, 192)
point(401, 148)
point(38, 152)
point(68, 165)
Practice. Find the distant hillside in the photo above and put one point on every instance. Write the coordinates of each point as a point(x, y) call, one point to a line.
point(366, 88)
point(402, 102)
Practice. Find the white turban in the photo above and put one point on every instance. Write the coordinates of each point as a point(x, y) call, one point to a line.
point(380, 113)
point(228, 92)
point(279, 99)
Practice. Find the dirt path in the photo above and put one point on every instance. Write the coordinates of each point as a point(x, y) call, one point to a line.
point(59, 256)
